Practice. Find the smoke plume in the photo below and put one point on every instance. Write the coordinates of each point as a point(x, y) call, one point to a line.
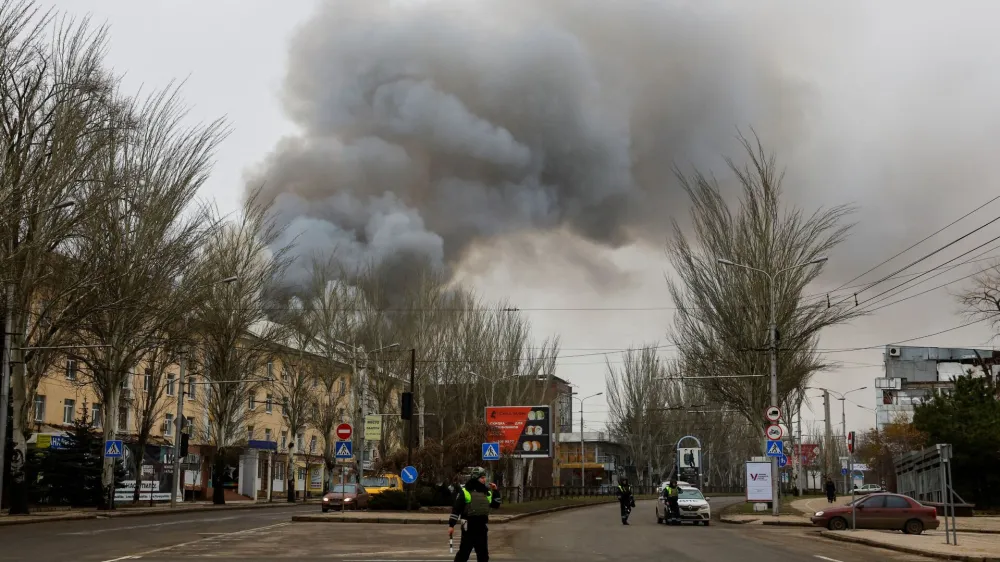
point(429, 126)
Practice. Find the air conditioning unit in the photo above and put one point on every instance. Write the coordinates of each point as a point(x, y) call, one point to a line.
point(893, 352)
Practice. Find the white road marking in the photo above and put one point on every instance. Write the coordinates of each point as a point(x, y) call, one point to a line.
point(825, 558)
point(189, 543)
point(150, 525)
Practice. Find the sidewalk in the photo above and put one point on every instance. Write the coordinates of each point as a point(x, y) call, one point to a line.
point(91, 513)
point(971, 546)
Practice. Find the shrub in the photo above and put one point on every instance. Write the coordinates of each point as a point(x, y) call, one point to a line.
point(436, 496)
point(391, 500)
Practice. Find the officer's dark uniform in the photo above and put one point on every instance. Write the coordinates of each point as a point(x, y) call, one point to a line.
point(473, 505)
point(671, 493)
point(625, 500)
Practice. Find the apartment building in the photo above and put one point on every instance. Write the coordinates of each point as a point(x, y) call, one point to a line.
point(256, 465)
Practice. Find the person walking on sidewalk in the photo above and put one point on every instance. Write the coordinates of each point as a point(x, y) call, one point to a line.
point(472, 507)
point(831, 491)
point(625, 499)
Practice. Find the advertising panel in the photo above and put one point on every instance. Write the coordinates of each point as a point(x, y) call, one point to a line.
point(157, 474)
point(689, 465)
point(522, 431)
point(759, 482)
point(373, 428)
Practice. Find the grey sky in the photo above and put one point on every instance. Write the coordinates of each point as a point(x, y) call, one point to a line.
point(886, 104)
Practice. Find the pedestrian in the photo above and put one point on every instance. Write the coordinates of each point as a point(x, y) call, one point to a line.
point(472, 507)
point(625, 499)
point(831, 491)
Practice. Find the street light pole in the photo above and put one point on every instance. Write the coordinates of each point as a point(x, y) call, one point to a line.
point(774, 351)
point(843, 420)
point(583, 453)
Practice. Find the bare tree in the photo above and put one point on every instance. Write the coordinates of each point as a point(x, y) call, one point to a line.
point(144, 240)
point(59, 107)
point(236, 340)
point(721, 325)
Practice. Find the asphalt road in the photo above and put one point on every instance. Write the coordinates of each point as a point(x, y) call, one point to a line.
point(581, 535)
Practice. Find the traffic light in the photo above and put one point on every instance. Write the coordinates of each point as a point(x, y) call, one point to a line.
point(184, 444)
point(850, 442)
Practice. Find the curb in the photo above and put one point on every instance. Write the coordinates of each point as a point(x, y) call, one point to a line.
point(441, 521)
point(906, 550)
point(35, 519)
point(736, 521)
point(787, 524)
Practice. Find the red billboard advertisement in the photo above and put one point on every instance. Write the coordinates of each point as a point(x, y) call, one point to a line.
point(522, 431)
point(808, 454)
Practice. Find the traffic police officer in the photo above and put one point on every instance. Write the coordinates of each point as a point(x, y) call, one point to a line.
point(472, 505)
point(671, 493)
point(625, 499)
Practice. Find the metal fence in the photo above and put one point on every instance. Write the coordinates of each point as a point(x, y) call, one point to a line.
point(533, 493)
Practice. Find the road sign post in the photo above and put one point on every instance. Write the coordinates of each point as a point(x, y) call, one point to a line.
point(775, 449)
point(773, 414)
point(782, 461)
point(113, 449)
point(775, 432)
point(344, 450)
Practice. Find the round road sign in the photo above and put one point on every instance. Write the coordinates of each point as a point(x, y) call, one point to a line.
point(344, 431)
point(773, 413)
point(774, 432)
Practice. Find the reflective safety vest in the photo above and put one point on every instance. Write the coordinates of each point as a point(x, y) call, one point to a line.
point(477, 505)
point(671, 492)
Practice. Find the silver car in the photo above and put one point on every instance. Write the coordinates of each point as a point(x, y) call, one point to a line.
point(693, 506)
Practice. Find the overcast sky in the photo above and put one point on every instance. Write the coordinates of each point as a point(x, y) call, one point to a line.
point(891, 107)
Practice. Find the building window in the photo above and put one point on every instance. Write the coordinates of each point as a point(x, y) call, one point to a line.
point(270, 371)
point(284, 406)
point(147, 379)
point(342, 386)
point(171, 383)
point(70, 369)
point(302, 474)
point(253, 401)
point(269, 403)
point(284, 439)
point(267, 434)
point(123, 417)
point(190, 388)
point(279, 471)
point(284, 373)
point(312, 444)
point(39, 408)
point(168, 428)
point(68, 406)
point(300, 441)
point(95, 415)
point(189, 424)
point(249, 433)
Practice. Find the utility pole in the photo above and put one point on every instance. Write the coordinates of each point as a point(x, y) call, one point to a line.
point(5, 379)
point(827, 453)
point(843, 433)
point(409, 432)
point(362, 392)
point(179, 423)
point(798, 459)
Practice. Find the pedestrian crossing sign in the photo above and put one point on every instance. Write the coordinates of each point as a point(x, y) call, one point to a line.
point(113, 449)
point(344, 450)
point(491, 451)
point(775, 449)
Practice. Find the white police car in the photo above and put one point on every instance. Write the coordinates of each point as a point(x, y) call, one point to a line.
point(693, 506)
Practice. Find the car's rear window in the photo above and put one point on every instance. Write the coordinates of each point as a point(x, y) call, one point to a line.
point(375, 482)
point(344, 488)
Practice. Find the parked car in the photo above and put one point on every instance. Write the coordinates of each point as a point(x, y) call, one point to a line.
point(880, 511)
point(693, 507)
point(346, 496)
point(869, 489)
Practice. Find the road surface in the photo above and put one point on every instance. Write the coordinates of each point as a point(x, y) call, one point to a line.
point(581, 535)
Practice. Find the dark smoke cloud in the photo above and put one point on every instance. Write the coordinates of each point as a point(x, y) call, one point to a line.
point(427, 127)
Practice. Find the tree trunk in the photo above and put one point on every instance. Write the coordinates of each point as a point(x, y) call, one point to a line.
point(218, 477)
point(17, 489)
point(290, 476)
point(138, 471)
point(110, 422)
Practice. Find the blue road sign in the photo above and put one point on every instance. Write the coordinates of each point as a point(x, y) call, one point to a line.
point(775, 449)
point(409, 475)
point(782, 461)
point(491, 451)
point(843, 472)
point(344, 450)
point(113, 449)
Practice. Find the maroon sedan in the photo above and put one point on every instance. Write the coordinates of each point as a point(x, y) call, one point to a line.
point(880, 511)
point(346, 496)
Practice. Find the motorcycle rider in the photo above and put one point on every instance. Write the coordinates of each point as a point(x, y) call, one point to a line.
point(671, 493)
point(625, 499)
point(472, 505)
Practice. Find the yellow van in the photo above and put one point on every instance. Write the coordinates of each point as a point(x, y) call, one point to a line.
point(378, 484)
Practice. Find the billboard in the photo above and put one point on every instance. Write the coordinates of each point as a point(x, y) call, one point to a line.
point(808, 454)
point(522, 431)
point(157, 473)
point(689, 465)
point(759, 482)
